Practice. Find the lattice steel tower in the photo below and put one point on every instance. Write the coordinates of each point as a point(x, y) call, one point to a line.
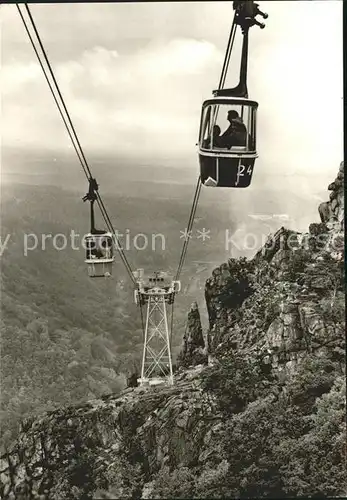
point(156, 293)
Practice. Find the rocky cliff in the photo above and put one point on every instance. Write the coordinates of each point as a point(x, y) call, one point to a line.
point(193, 349)
point(264, 416)
point(282, 302)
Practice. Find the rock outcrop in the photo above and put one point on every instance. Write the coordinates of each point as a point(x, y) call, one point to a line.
point(332, 212)
point(74, 448)
point(270, 408)
point(193, 352)
point(283, 302)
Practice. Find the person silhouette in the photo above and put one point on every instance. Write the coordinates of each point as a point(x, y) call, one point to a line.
point(236, 133)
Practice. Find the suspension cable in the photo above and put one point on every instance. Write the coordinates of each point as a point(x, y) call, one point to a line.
point(79, 151)
point(83, 161)
point(226, 63)
point(189, 228)
point(51, 88)
point(227, 54)
point(116, 240)
point(142, 321)
point(198, 187)
point(73, 136)
point(56, 86)
point(171, 324)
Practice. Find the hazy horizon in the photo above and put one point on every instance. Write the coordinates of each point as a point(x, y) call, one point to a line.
point(134, 76)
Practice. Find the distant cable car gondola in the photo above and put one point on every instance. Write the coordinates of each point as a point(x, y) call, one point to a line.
point(99, 254)
point(227, 137)
point(98, 244)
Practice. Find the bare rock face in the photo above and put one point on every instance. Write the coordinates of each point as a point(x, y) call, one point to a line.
point(332, 212)
point(193, 352)
point(289, 299)
point(82, 449)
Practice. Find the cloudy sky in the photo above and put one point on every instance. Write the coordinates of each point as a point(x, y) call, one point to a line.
point(134, 77)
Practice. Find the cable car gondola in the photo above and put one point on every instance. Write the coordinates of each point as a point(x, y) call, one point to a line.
point(98, 243)
point(227, 142)
point(99, 254)
point(227, 137)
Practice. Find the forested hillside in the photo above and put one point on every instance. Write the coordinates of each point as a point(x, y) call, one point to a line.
point(65, 337)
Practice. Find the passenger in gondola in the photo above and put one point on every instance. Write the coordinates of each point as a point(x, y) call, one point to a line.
point(97, 253)
point(216, 137)
point(236, 133)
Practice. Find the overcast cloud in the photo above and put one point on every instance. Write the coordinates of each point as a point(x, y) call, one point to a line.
point(134, 77)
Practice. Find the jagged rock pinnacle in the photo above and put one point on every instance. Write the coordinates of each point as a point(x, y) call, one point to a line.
point(193, 341)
